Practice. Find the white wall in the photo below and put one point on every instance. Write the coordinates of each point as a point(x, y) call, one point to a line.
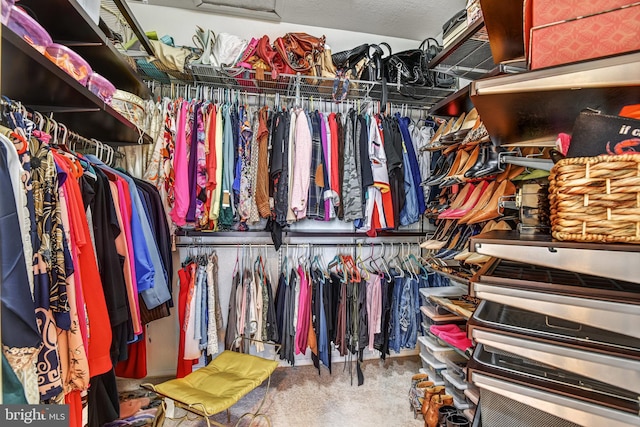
point(181, 24)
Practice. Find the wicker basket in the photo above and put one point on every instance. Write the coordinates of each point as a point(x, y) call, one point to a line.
point(596, 199)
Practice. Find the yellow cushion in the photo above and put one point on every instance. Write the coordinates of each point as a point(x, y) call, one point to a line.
point(221, 383)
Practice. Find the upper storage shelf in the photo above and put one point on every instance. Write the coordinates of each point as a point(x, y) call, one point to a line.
point(29, 77)
point(67, 23)
point(544, 102)
point(469, 56)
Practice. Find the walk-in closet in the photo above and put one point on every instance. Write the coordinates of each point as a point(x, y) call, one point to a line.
point(279, 213)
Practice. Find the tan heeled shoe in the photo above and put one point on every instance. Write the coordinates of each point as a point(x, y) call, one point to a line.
point(449, 137)
point(458, 177)
point(492, 210)
point(482, 202)
point(444, 128)
point(470, 121)
point(459, 163)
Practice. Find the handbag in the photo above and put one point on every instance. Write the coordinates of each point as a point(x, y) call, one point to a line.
point(300, 51)
point(595, 134)
point(411, 67)
point(227, 49)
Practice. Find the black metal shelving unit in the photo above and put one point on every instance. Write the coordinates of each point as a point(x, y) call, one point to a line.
point(67, 23)
point(29, 77)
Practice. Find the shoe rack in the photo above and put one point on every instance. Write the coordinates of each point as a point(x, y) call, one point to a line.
point(555, 335)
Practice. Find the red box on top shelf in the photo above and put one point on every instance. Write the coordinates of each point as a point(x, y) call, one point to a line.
point(590, 37)
point(545, 12)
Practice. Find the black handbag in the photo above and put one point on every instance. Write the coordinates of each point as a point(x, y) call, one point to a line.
point(348, 59)
point(411, 67)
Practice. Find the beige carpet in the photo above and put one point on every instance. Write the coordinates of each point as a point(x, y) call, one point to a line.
point(300, 397)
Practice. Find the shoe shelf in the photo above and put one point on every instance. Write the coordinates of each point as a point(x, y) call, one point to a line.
point(543, 103)
point(460, 101)
point(450, 275)
point(81, 34)
point(29, 77)
point(597, 259)
point(468, 56)
point(504, 24)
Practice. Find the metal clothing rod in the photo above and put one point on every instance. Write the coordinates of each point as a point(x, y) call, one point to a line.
point(60, 133)
point(297, 245)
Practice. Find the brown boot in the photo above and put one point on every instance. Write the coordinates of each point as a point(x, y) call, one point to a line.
point(414, 393)
point(437, 401)
point(428, 394)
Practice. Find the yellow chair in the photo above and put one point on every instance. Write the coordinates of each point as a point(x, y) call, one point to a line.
point(218, 386)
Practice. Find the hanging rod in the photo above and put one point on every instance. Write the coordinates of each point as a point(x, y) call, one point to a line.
point(68, 136)
point(297, 245)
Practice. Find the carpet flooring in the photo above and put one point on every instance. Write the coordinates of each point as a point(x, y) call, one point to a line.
point(299, 396)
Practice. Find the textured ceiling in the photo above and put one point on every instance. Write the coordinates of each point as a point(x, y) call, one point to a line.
point(409, 19)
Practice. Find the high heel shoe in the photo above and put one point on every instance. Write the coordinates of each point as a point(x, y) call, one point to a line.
point(439, 234)
point(461, 256)
point(493, 210)
point(482, 202)
point(481, 159)
point(436, 141)
point(470, 122)
point(442, 168)
point(448, 137)
point(458, 177)
point(455, 213)
point(458, 165)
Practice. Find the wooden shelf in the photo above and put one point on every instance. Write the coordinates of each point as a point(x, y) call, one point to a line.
point(504, 23)
point(545, 102)
point(29, 77)
point(67, 23)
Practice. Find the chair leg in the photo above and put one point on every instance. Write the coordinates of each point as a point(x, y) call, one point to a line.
point(257, 413)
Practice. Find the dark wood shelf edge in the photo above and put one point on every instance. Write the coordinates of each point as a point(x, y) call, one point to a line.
point(103, 56)
point(80, 97)
point(460, 101)
point(135, 26)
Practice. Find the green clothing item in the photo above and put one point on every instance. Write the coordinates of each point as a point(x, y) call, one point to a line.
point(12, 391)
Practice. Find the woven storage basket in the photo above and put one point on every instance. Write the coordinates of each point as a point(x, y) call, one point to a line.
point(596, 199)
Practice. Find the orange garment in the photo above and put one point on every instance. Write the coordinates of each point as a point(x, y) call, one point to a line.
point(262, 181)
point(99, 340)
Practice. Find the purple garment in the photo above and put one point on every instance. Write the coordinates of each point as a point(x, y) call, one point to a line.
point(325, 160)
point(193, 166)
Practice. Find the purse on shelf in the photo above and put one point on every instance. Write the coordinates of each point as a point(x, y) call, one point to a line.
point(595, 134)
point(300, 51)
point(411, 67)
